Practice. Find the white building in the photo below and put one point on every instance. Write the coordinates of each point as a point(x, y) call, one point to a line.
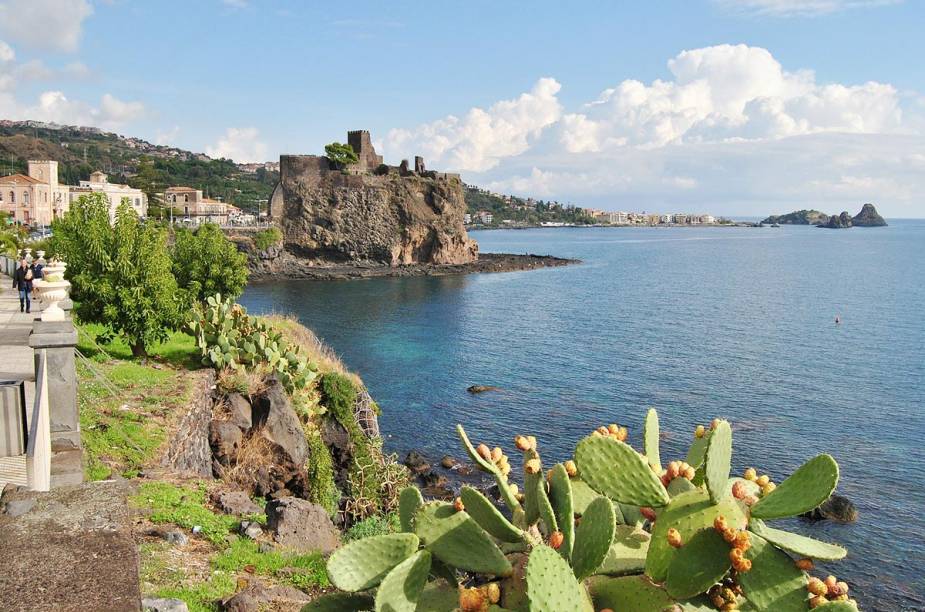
point(115, 192)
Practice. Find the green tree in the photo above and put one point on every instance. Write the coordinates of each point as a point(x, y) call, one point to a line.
point(205, 262)
point(120, 273)
point(340, 154)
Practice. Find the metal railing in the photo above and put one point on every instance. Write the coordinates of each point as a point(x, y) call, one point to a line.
point(38, 453)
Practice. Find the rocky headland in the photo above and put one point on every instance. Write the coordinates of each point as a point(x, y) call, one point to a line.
point(366, 219)
point(867, 217)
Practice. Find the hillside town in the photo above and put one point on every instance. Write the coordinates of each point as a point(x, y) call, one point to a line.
point(37, 198)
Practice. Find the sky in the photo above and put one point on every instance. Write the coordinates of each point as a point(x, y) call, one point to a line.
point(732, 107)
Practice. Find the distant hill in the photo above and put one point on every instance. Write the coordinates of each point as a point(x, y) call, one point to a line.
point(800, 217)
point(82, 150)
point(522, 210)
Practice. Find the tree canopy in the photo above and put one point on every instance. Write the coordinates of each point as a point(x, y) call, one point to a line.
point(340, 154)
point(205, 262)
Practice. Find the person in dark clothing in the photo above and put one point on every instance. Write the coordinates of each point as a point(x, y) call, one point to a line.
point(22, 280)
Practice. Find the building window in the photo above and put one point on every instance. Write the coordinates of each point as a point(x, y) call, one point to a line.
point(137, 201)
point(12, 197)
point(25, 198)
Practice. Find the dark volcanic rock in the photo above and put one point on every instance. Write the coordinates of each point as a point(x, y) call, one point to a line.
point(278, 423)
point(417, 463)
point(236, 502)
point(868, 217)
point(481, 388)
point(836, 508)
point(799, 217)
point(842, 221)
point(301, 525)
point(239, 410)
point(225, 439)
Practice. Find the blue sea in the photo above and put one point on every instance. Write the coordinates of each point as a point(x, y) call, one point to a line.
point(697, 322)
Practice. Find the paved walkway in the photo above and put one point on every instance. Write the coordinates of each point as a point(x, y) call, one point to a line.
point(16, 363)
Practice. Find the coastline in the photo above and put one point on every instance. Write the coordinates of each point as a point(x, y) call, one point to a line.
point(293, 267)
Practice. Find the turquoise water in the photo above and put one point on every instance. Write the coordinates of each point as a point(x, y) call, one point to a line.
point(737, 323)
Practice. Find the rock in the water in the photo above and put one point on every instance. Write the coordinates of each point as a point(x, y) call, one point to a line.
point(836, 508)
point(417, 463)
point(449, 462)
point(842, 221)
point(370, 212)
point(225, 439)
point(239, 410)
point(799, 217)
point(481, 388)
point(868, 217)
point(154, 604)
point(236, 502)
point(301, 525)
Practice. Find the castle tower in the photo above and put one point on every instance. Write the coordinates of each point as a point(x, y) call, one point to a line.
point(362, 145)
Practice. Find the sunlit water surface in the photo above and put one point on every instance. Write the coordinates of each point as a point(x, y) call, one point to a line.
point(706, 322)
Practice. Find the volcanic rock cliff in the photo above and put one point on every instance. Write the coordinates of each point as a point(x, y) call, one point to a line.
point(370, 213)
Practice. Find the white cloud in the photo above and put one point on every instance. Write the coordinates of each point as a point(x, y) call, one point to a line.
point(730, 132)
point(799, 8)
point(728, 92)
point(167, 137)
point(482, 137)
point(118, 111)
point(44, 24)
point(240, 145)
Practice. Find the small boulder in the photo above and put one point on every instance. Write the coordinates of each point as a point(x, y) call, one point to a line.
point(239, 411)
point(242, 602)
point(251, 529)
point(175, 537)
point(301, 525)
point(155, 604)
point(449, 462)
point(236, 502)
point(225, 440)
point(18, 507)
point(417, 463)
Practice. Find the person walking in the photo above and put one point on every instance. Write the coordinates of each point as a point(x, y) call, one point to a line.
point(22, 280)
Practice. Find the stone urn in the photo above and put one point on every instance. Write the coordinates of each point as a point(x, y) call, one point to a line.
point(53, 289)
point(40, 254)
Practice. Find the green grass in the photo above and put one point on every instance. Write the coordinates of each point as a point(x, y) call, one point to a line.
point(184, 507)
point(373, 526)
point(160, 577)
point(179, 349)
point(309, 570)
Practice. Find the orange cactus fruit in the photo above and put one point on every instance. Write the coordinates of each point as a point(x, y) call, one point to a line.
point(674, 538)
point(484, 452)
point(493, 591)
point(522, 443)
point(806, 565)
point(555, 539)
point(458, 504)
point(816, 586)
point(570, 468)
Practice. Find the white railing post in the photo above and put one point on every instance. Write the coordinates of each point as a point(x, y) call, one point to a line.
point(38, 454)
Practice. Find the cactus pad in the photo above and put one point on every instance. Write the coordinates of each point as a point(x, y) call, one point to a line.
point(650, 440)
point(796, 543)
point(837, 606)
point(679, 485)
point(544, 506)
point(627, 554)
point(593, 537)
point(688, 513)
point(560, 496)
point(774, 582)
point(582, 495)
point(634, 593)
point(340, 602)
point(698, 450)
point(717, 460)
point(401, 588)
point(437, 597)
point(409, 500)
point(804, 490)
point(486, 466)
point(457, 540)
point(362, 564)
point(616, 470)
point(531, 508)
point(489, 517)
point(698, 565)
point(551, 585)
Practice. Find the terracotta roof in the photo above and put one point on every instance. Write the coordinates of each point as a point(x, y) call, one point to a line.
point(181, 189)
point(211, 201)
point(19, 178)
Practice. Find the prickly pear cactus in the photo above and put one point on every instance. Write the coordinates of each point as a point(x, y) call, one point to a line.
point(457, 540)
point(805, 489)
point(489, 518)
point(401, 588)
point(551, 585)
point(614, 469)
point(363, 564)
point(593, 538)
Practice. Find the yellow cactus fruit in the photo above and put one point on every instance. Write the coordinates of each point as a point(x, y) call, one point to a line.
point(700, 431)
point(570, 468)
point(484, 452)
point(533, 466)
point(750, 474)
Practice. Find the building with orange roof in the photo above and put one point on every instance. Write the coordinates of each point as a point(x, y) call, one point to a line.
point(37, 198)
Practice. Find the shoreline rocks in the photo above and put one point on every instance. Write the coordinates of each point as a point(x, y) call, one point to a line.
point(290, 266)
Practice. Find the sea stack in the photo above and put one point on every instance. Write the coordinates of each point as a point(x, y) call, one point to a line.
point(868, 217)
point(368, 212)
point(842, 221)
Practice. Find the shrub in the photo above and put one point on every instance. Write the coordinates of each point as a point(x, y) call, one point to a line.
point(121, 273)
point(373, 526)
point(340, 155)
point(264, 239)
point(205, 262)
